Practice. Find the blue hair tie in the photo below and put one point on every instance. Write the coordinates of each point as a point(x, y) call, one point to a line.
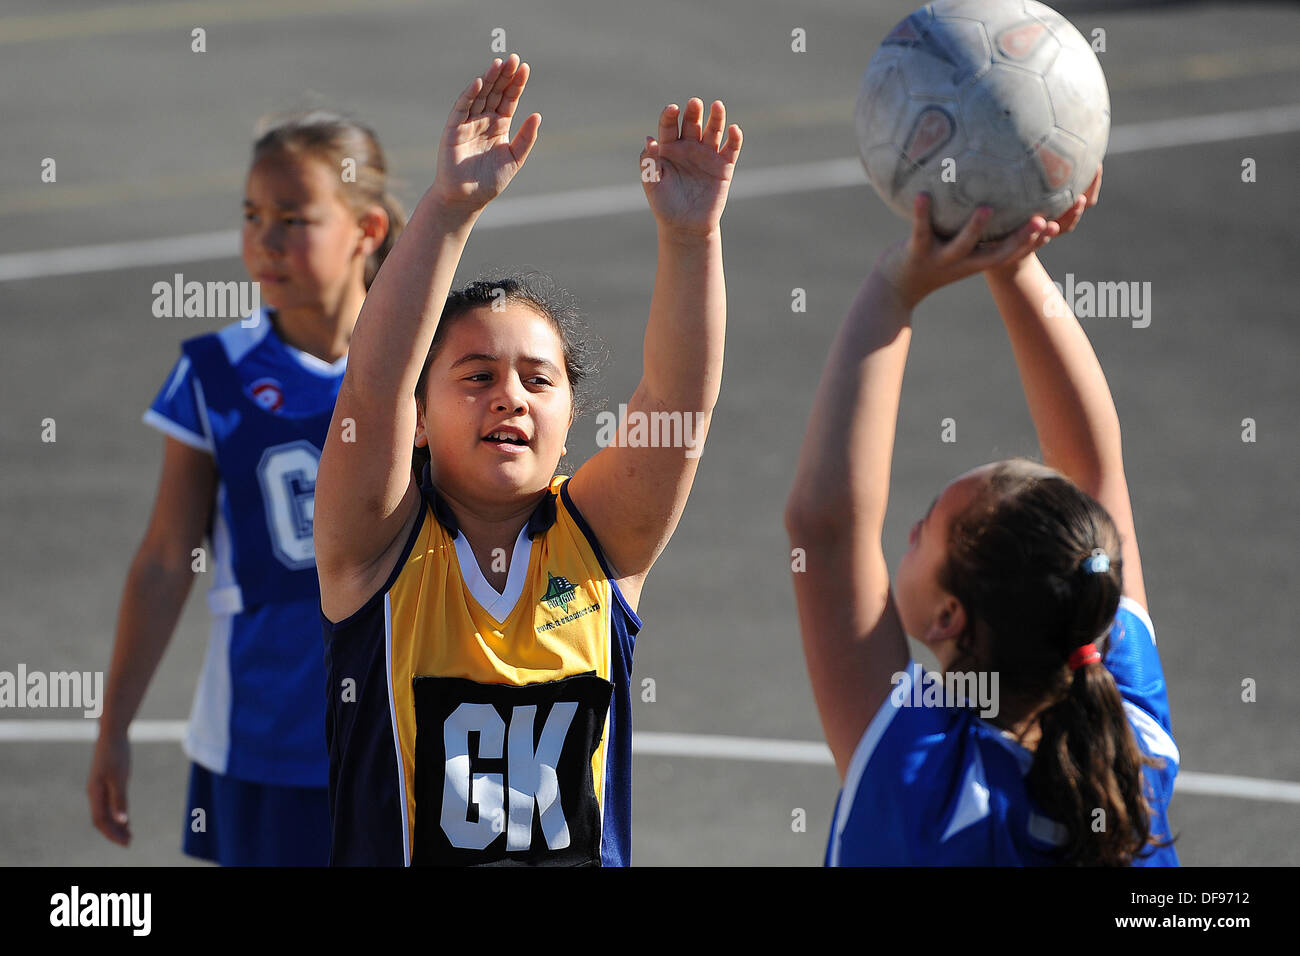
point(1096, 563)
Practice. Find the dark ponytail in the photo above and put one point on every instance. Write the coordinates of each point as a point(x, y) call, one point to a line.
point(1087, 771)
point(334, 140)
point(1020, 561)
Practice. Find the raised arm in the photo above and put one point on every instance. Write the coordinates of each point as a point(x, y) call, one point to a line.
point(365, 491)
point(633, 496)
point(853, 638)
point(1065, 388)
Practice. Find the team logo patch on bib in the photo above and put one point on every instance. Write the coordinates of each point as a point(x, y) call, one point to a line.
point(503, 772)
point(559, 592)
point(267, 393)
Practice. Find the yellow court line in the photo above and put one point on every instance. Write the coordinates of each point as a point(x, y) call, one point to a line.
point(1204, 67)
point(1177, 71)
point(151, 17)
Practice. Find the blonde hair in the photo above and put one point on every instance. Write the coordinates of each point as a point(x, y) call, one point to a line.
point(333, 138)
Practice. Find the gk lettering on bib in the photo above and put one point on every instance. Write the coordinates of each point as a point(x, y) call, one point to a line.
point(503, 772)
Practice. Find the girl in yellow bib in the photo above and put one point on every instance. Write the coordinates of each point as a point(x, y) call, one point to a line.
point(480, 614)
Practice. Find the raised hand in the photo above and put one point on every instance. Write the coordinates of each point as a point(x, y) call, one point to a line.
point(1065, 222)
point(923, 262)
point(686, 172)
point(476, 157)
point(1070, 218)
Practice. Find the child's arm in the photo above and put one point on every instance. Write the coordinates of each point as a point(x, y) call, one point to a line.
point(366, 493)
point(853, 638)
point(633, 497)
point(155, 591)
point(1069, 400)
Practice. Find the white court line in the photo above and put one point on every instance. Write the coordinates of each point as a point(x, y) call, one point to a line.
point(807, 752)
point(1226, 785)
point(614, 200)
point(120, 255)
point(75, 731)
point(648, 744)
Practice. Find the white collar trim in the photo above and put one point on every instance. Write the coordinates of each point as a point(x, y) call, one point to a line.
point(498, 605)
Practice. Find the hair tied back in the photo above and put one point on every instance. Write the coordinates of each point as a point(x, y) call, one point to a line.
point(1096, 563)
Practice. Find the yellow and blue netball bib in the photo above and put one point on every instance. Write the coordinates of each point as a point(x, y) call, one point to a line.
point(469, 727)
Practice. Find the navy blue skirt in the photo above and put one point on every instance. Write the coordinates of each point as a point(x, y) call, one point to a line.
point(254, 824)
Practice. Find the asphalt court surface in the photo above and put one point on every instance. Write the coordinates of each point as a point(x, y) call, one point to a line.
point(151, 141)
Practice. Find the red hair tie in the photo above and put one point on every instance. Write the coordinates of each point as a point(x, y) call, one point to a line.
point(1083, 656)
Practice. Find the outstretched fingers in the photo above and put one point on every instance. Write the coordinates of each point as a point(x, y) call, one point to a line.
point(692, 120)
point(1030, 237)
point(964, 243)
point(716, 125)
point(1070, 218)
point(509, 98)
point(922, 237)
point(510, 73)
point(668, 123)
point(1093, 192)
point(465, 102)
point(731, 149)
point(525, 138)
point(489, 79)
point(693, 125)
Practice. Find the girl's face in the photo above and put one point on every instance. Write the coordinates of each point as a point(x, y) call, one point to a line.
point(929, 613)
point(497, 405)
point(300, 241)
